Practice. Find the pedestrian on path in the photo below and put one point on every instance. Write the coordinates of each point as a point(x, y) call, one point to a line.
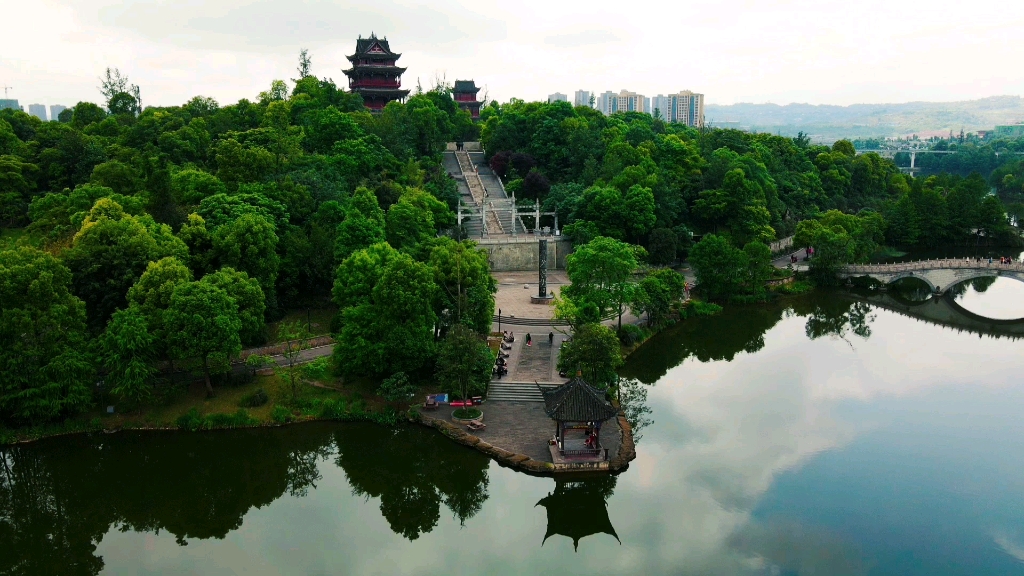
point(529, 339)
point(551, 338)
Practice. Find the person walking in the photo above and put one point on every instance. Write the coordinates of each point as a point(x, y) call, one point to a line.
point(551, 338)
point(529, 339)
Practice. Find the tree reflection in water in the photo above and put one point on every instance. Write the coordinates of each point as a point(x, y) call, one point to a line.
point(741, 328)
point(58, 498)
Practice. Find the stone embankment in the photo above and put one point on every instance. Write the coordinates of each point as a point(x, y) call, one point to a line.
point(625, 455)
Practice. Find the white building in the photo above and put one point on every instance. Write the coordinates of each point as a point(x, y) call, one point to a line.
point(582, 98)
point(55, 111)
point(557, 97)
point(625, 101)
point(685, 108)
point(38, 110)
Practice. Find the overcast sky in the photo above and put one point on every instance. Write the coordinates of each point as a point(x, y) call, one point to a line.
point(782, 51)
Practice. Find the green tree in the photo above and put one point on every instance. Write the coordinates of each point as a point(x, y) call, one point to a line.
point(110, 252)
point(465, 286)
point(248, 296)
point(595, 352)
point(656, 293)
point(759, 265)
point(363, 225)
point(249, 244)
point(721, 269)
point(293, 334)
point(396, 388)
point(601, 272)
point(46, 372)
point(202, 323)
point(385, 299)
point(464, 362)
point(151, 295)
point(128, 352)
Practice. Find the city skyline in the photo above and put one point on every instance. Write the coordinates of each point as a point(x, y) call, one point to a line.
point(826, 53)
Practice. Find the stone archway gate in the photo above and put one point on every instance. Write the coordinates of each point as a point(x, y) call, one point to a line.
point(940, 275)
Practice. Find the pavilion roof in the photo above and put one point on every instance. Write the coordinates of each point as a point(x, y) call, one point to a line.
point(577, 401)
point(465, 87)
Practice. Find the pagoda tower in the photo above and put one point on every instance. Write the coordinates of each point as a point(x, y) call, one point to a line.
point(374, 74)
point(464, 94)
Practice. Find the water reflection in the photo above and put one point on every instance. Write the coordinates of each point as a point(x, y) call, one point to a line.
point(741, 329)
point(579, 508)
point(59, 498)
point(992, 297)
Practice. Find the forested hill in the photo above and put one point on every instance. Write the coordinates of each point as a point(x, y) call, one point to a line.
point(835, 122)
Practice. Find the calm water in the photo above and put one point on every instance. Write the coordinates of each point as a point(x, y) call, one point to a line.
point(822, 435)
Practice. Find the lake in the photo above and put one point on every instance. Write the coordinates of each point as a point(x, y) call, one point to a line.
point(822, 434)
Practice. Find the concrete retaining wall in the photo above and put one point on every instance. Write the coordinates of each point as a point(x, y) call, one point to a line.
point(522, 254)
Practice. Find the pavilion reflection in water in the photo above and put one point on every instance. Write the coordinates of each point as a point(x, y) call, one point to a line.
point(578, 508)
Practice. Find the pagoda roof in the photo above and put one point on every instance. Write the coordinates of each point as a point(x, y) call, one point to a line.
point(577, 401)
point(373, 46)
point(465, 87)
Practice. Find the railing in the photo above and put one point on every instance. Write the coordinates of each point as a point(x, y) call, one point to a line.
point(939, 264)
point(587, 452)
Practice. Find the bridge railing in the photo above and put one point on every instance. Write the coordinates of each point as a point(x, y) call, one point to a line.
point(937, 264)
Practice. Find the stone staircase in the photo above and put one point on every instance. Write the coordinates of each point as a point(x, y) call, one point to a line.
point(516, 391)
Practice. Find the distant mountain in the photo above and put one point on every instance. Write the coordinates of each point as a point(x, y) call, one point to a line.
point(824, 122)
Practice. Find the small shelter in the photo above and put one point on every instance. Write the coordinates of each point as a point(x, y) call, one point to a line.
point(578, 410)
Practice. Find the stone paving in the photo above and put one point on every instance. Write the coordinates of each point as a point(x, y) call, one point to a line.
point(514, 300)
point(524, 428)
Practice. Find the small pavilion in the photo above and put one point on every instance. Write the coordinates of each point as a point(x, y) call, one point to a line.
point(578, 410)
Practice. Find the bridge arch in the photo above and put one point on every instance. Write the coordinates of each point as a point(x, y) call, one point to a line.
point(913, 274)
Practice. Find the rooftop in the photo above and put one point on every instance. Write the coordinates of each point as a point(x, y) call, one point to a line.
point(577, 401)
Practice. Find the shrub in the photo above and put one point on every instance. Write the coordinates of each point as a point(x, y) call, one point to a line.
point(797, 287)
point(630, 334)
point(255, 399)
point(317, 369)
point(238, 419)
point(396, 388)
point(281, 414)
point(466, 413)
point(190, 420)
point(698, 308)
point(334, 410)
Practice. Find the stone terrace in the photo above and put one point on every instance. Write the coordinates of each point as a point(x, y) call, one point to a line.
point(524, 428)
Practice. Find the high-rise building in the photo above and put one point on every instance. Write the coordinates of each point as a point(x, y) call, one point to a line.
point(625, 101)
point(581, 98)
point(9, 103)
point(55, 110)
point(464, 93)
point(374, 74)
point(685, 108)
point(37, 110)
point(557, 97)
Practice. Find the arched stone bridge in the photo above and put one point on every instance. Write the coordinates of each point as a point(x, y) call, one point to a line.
point(940, 275)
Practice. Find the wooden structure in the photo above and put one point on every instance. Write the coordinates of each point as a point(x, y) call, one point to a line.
point(374, 74)
point(464, 93)
point(578, 410)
